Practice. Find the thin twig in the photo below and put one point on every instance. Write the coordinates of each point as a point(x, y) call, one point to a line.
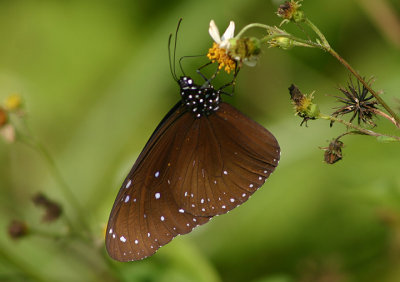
point(358, 128)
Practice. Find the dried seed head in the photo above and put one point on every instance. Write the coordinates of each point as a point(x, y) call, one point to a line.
point(333, 152)
point(358, 102)
point(290, 11)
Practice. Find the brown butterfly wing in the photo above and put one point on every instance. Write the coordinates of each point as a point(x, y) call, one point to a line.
point(145, 215)
point(190, 170)
point(227, 158)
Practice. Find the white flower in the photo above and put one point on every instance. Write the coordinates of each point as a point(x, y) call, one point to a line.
point(223, 41)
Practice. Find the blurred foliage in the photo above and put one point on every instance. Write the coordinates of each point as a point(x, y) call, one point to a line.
point(95, 79)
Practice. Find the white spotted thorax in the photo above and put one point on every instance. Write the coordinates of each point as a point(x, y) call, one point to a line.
point(200, 100)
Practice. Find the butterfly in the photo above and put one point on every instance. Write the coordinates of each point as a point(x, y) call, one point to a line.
point(203, 159)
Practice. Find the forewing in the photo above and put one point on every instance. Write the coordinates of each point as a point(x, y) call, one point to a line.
point(145, 215)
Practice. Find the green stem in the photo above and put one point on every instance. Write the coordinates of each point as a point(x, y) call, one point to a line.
point(358, 128)
point(295, 41)
point(276, 33)
point(249, 26)
point(65, 189)
point(318, 32)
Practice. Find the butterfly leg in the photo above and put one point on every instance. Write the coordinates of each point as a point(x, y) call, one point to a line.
point(232, 83)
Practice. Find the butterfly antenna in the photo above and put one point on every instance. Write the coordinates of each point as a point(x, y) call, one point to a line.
point(169, 57)
point(176, 39)
point(180, 65)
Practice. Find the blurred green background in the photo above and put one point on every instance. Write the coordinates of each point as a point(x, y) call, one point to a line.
point(95, 79)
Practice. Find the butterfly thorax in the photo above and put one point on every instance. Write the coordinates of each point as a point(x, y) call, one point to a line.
point(200, 100)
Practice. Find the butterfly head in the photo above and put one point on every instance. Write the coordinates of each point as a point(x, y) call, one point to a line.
point(186, 82)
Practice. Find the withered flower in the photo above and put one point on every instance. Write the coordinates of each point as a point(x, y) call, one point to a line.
point(333, 152)
point(17, 229)
point(303, 104)
point(52, 209)
point(357, 102)
point(290, 11)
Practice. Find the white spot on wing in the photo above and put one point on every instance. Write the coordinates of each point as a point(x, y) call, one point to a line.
point(122, 239)
point(181, 210)
point(162, 218)
point(157, 195)
point(157, 174)
point(127, 199)
point(128, 184)
point(225, 172)
point(136, 242)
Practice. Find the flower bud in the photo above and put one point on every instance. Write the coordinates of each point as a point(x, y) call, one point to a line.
point(282, 42)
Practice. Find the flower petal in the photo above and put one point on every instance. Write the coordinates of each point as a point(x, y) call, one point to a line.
point(214, 32)
point(229, 32)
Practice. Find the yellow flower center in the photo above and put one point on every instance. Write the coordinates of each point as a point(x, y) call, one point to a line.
point(220, 55)
point(13, 102)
